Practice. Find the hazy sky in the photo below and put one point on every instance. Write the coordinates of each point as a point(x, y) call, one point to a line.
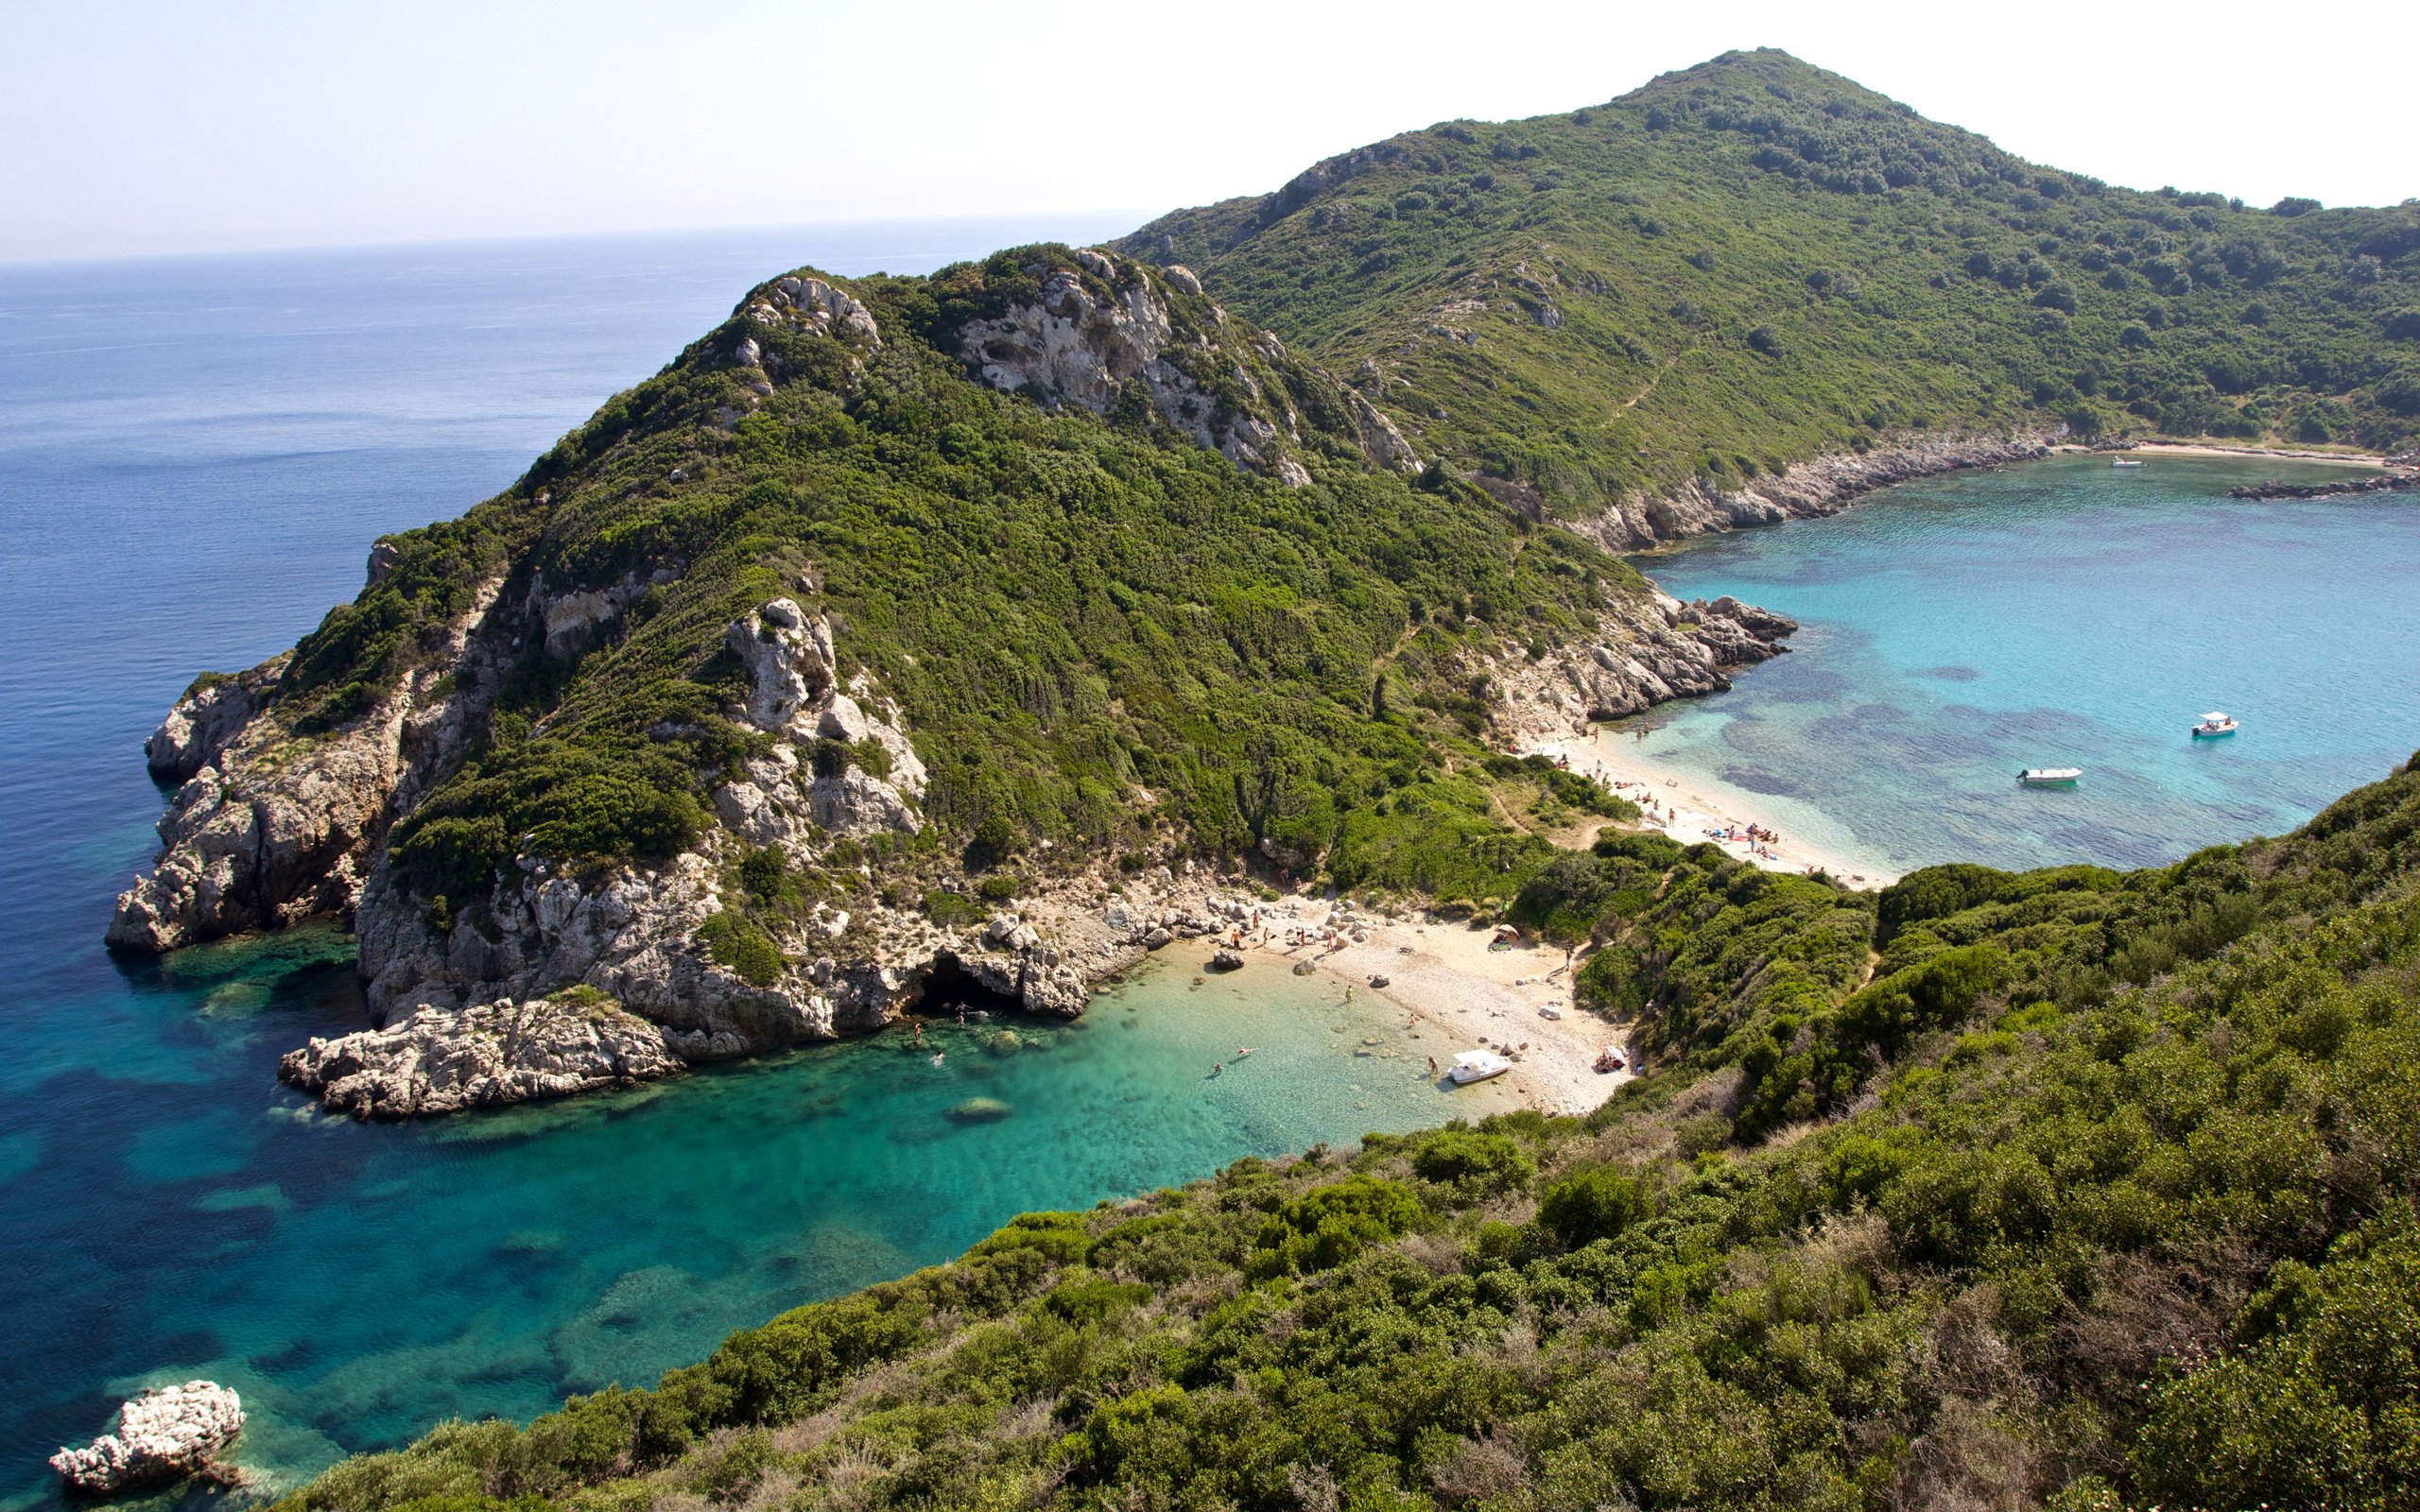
point(143, 126)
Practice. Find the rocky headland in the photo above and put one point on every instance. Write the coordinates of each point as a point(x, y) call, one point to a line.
point(533, 974)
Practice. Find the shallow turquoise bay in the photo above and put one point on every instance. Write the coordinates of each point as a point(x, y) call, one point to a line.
point(2054, 614)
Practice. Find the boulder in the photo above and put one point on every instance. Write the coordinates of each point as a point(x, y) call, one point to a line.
point(443, 1061)
point(166, 1433)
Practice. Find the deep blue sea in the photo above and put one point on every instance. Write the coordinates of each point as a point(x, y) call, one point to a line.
point(2060, 614)
point(195, 456)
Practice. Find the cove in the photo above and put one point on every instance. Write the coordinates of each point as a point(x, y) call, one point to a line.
point(358, 1283)
point(2060, 613)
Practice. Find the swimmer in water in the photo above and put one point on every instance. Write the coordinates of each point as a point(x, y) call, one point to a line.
point(1242, 1051)
point(936, 1057)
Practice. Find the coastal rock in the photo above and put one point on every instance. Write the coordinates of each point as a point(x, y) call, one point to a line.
point(212, 712)
point(274, 825)
point(443, 1061)
point(164, 1435)
point(1645, 657)
point(1822, 485)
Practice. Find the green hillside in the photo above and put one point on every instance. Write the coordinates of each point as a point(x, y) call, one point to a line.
point(2120, 1209)
point(1104, 637)
point(1753, 262)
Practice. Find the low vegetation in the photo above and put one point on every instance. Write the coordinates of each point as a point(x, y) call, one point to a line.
point(1754, 262)
point(2100, 1192)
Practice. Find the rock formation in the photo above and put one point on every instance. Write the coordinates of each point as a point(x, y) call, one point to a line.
point(1826, 484)
point(164, 1435)
point(1106, 322)
point(1678, 650)
point(442, 1061)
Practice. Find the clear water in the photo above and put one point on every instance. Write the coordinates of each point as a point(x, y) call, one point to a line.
point(2060, 613)
point(194, 457)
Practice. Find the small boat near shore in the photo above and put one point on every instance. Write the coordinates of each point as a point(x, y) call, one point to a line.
point(1477, 1065)
point(2216, 725)
point(2049, 776)
point(2124, 462)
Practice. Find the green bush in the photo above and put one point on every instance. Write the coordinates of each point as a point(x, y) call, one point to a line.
point(1596, 1203)
point(734, 941)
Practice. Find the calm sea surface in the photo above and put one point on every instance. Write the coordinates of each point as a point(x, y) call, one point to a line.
point(194, 458)
point(2061, 614)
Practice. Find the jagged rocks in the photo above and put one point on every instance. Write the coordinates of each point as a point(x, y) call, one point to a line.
point(164, 1435)
point(1227, 961)
point(1824, 485)
point(1104, 323)
point(1644, 656)
point(442, 1061)
point(212, 712)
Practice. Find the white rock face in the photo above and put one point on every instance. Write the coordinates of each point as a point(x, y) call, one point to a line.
point(166, 1433)
point(793, 692)
point(821, 307)
point(1072, 346)
point(442, 1061)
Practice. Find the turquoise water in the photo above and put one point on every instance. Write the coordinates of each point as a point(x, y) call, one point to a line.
point(2060, 613)
point(194, 457)
point(358, 1284)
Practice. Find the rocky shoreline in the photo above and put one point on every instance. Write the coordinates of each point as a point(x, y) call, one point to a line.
point(1821, 486)
point(166, 1433)
point(2278, 488)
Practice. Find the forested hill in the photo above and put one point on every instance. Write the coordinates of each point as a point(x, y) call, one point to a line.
point(1754, 262)
point(2100, 1193)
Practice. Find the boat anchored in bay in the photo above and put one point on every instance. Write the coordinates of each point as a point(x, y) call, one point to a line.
point(2049, 776)
point(2214, 724)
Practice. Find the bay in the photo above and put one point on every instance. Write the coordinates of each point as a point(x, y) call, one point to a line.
point(2059, 613)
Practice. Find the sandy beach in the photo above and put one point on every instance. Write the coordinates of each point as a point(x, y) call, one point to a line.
point(1459, 992)
point(1683, 810)
point(2240, 452)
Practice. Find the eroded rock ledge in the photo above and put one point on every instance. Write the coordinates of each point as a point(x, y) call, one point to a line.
point(1824, 486)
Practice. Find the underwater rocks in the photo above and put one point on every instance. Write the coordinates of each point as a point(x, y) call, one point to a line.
point(442, 1061)
point(164, 1435)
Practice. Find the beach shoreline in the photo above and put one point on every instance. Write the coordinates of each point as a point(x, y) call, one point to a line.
point(1681, 806)
point(2234, 453)
point(1458, 989)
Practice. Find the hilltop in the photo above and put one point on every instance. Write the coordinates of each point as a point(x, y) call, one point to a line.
point(1687, 295)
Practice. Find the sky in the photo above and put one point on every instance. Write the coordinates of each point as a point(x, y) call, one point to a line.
point(133, 127)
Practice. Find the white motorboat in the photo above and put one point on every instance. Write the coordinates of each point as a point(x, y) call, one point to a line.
point(1478, 1065)
point(2049, 776)
point(2214, 725)
point(2122, 462)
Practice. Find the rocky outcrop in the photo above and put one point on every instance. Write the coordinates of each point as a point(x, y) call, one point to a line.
point(1673, 650)
point(266, 836)
point(164, 1435)
point(818, 774)
point(1104, 323)
point(1826, 485)
point(2279, 488)
point(212, 712)
point(443, 1061)
point(273, 825)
